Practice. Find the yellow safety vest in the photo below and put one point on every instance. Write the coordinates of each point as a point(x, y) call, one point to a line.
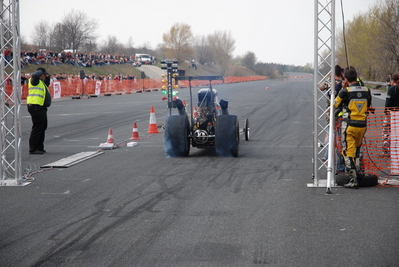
point(36, 94)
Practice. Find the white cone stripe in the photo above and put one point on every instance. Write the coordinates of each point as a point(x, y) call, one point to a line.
point(153, 120)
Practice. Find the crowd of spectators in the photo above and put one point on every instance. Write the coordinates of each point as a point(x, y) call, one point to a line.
point(76, 59)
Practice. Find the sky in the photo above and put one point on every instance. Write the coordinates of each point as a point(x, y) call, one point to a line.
point(276, 31)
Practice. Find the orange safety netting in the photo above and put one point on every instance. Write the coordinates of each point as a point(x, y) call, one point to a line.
point(71, 87)
point(380, 148)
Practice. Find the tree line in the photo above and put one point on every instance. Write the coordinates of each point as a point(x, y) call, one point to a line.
point(76, 31)
point(372, 42)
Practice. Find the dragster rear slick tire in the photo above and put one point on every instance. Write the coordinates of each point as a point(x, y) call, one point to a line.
point(176, 136)
point(227, 136)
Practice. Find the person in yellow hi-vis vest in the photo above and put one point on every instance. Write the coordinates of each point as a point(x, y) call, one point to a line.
point(354, 99)
point(38, 100)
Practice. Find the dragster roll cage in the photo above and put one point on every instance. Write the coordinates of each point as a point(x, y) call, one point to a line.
point(204, 78)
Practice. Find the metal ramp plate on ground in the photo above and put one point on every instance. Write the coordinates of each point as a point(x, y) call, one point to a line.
point(394, 181)
point(72, 160)
point(322, 183)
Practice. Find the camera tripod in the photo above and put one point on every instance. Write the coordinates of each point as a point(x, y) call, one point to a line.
point(83, 91)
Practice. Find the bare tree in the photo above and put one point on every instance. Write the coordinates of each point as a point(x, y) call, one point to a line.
point(90, 46)
point(177, 42)
point(58, 40)
point(130, 43)
point(222, 45)
point(78, 28)
point(202, 50)
point(249, 60)
point(41, 35)
point(145, 47)
point(111, 45)
point(360, 45)
point(128, 48)
point(372, 41)
point(388, 30)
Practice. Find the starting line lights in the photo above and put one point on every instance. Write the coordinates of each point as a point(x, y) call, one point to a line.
point(175, 74)
point(169, 65)
point(164, 92)
point(164, 87)
point(167, 79)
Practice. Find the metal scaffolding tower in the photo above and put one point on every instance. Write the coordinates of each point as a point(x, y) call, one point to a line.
point(10, 95)
point(324, 68)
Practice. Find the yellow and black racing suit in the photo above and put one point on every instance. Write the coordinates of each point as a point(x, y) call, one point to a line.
point(354, 101)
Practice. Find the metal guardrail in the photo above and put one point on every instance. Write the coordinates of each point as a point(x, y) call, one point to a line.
point(375, 83)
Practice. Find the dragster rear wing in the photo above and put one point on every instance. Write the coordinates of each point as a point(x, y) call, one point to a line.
point(192, 78)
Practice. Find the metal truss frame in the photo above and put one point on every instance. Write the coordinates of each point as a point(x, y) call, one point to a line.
point(10, 95)
point(324, 59)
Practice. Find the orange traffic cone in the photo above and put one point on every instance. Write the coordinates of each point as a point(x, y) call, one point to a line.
point(195, 115)
point(110, 144)
point(152, 127)
point(110, 139)
point(135, 133)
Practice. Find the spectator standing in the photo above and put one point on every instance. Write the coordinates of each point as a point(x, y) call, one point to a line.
point(392, 100)
point(391, 104)
point(388, 82)
point(38, 100)
point(354, 100)
point(337, 86)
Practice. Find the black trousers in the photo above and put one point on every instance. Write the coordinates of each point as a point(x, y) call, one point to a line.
point(39, 126)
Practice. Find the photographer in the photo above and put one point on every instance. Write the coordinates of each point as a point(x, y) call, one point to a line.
point(38, 100)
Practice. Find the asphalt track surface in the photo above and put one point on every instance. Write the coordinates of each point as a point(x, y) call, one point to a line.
point(133, 206)
point(153, 72)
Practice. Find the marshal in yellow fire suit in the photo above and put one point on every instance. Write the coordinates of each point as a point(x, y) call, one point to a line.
point(354, 101)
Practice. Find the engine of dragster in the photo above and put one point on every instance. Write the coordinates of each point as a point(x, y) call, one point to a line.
point(205, 118)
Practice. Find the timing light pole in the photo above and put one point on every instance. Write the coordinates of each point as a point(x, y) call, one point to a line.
point(171, 71)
